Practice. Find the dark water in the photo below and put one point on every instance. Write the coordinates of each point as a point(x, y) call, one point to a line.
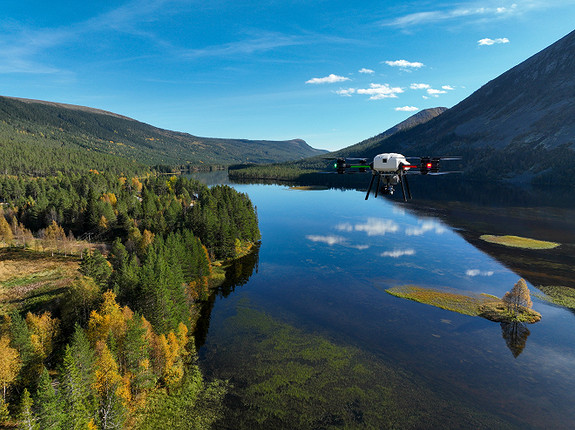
point(312, 340)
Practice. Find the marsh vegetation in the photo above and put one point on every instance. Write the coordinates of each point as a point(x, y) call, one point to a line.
point(514, 307)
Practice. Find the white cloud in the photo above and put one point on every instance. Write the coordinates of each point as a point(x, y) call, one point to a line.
point(424, 227)
point(488, 42)
point(380, 91)
point(406, 109)
point(366, 71)
point(346, 92)
point(330, 79)
point(329, 240)
point(404, 64)
point(471, 12)
point(447, 87)
point(373, 227)
point(477, 272)
point(396, 253)
point(435, 93)
point(419, 86)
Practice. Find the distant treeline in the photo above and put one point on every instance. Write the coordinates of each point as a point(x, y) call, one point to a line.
point(105, 207)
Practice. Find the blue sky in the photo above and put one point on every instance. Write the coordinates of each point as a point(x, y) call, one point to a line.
point(330, 72)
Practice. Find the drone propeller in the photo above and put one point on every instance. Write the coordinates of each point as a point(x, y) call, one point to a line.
point(440, 157)
point(445, 173)
point(449, 158)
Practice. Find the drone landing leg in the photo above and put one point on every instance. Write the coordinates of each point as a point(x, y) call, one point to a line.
point(369, 188)
point(402, 188)
point(407, 186)
point(378, 182)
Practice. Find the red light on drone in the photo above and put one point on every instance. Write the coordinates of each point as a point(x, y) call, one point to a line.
point(429, 165)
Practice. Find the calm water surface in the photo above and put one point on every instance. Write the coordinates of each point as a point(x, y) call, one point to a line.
point(313, 332)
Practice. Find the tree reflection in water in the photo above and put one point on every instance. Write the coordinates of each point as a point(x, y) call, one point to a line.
point(238, 273)
point(515, 335)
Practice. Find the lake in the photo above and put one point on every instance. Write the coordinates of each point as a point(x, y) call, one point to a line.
point(309, 338)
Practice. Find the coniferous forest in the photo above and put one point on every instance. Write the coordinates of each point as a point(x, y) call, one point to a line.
point(112, 346)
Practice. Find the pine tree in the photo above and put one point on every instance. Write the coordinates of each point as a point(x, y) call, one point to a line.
point(27, 417)
point(76, 395)
point(49, 408)
point(20, 338)
point(95, 265)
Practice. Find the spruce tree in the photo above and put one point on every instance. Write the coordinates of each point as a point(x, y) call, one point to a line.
point(76, 394)
point(28, 420)
point(48, 405)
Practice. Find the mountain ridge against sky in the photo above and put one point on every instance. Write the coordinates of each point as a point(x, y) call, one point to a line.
point(115, 134)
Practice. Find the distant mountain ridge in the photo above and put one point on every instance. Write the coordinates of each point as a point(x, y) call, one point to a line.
point(419, 118)
point(366, 146)
point(519, 126)
point(59, 128)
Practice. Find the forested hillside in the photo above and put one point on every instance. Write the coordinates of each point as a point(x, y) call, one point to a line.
point(109, 344)
point(41, 138)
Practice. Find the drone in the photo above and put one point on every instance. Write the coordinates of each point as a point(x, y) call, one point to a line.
point(391, 169)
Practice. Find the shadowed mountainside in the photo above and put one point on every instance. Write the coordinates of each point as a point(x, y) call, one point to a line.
point(519, 126)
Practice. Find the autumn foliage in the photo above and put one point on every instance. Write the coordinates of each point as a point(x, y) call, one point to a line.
point(518, 298)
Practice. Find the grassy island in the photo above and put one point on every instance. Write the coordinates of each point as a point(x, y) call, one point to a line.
point(519, 242)
point(480, 305)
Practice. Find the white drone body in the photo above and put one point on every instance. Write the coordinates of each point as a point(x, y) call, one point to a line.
point(391, 169)
point(389, 163)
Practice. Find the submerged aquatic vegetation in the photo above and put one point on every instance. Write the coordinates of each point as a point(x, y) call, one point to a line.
point(480, 305)
point(519, 242)
point(283, 377)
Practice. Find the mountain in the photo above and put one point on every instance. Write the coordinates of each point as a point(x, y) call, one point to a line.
point(519, 126)
point(419, 118)
point(359, 149)
point(29, 127)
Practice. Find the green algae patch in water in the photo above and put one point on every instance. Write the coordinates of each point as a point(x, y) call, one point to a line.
point(519, 242)
point(285, 378)
point(477, 305)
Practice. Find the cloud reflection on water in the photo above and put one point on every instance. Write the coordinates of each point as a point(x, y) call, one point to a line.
point(329, 239)
point(424, 227)
point(396, 253)
point(477, 272)
point(372, 227)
